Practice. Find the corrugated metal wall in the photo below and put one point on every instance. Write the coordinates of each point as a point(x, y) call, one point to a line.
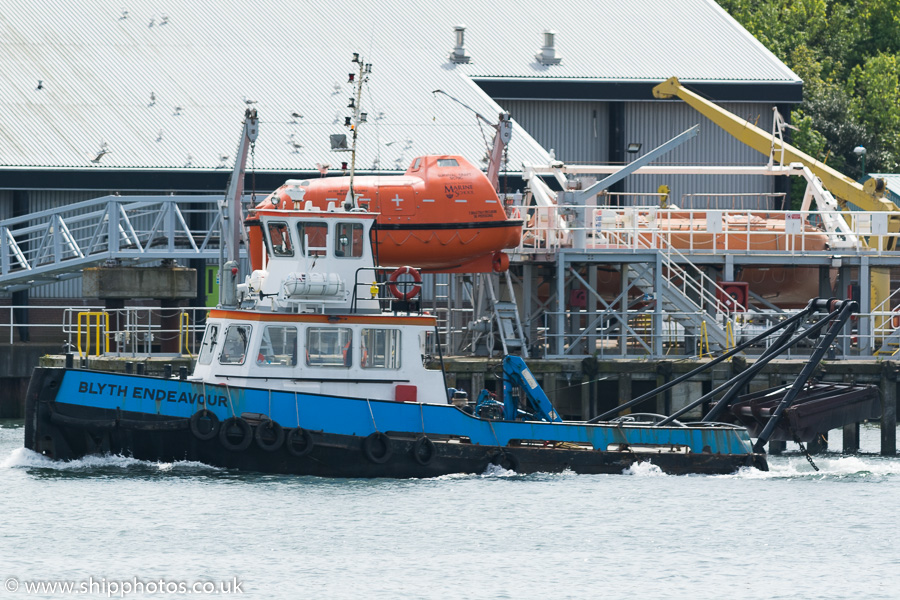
point(577, 131)
point(653, 123)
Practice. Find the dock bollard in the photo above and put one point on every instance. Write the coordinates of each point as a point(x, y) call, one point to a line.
point(167, 371)
point(70, 360)
point(182, 373)
point(140, 368)
point(129, 367)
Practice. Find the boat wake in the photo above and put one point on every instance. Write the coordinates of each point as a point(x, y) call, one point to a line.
point(838, 467)
point(23, 458)
point(644, 469)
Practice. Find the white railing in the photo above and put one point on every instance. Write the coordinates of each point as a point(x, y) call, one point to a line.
point(609, 338)
point(551, 228)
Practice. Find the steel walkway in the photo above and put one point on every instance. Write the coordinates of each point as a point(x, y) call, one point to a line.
point(57, 244)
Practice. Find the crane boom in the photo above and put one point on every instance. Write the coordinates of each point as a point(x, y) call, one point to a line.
point(843, 187)
point(868, 197)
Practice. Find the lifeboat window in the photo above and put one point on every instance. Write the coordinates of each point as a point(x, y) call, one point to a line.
point(208, 346)
point(313, 238)
point(380, 349)
point(349, 240)
point(329, 347)
point(416, 164)
point(234, 349)
point(447, 162)
point(278, 347)
point(280, 238)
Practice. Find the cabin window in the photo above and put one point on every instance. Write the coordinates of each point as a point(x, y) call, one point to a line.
point(447, 162)
point(348, 241)
point(416, 164)
point(380, 349)
point(329, 347)
point(280, 238)
point(208, 346)
point(234, 349)
point(278, 347)
point(313, 238)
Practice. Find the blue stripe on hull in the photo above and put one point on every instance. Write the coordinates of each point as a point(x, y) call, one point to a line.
point(359, 417)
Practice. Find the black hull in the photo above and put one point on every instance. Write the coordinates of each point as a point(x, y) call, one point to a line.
point(67, 432)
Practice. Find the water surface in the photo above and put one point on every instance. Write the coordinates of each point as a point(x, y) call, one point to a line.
point(789, 533)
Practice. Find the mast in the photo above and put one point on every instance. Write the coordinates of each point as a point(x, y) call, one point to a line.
point(232, 231)
point(354, 121)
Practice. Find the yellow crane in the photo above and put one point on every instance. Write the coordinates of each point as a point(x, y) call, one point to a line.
point(869, 197)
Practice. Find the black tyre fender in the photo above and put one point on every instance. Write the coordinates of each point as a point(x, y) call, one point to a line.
point(225, 434)
point(423, 450)
point(213, 424)
point(505, 460)
point(299, 442)
point(263, 436)
point(377, 447)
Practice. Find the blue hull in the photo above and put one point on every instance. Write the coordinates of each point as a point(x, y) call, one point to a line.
point(65, 406)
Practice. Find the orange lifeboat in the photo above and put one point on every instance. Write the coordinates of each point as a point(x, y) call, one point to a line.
point(442, 215)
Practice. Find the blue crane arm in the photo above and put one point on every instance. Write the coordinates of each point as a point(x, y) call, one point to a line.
point(516, 372)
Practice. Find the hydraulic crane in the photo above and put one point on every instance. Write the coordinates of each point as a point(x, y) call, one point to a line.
point(868, 197)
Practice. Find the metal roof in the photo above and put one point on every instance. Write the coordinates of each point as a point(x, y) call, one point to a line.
point(99, 61)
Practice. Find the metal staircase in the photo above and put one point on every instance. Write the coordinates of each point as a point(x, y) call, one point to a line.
point(684, 293)
point(506, 318)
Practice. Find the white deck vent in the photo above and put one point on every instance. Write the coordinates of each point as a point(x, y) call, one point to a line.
point(459, 51)
point(548, 54)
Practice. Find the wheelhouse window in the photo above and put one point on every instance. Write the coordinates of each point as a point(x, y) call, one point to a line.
point(380, 349)
point(234, 348)
point(313, 238)
point(208, 345)
point(278, 347)
point(348, 240)
point(447, 162)
point(280, 239)
point(329, 347)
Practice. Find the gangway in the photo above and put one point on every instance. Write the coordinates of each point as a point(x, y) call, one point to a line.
point(56, 244)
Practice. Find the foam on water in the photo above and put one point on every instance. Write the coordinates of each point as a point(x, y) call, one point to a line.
point(28, 459)
point(838, 467)
point(644, 469)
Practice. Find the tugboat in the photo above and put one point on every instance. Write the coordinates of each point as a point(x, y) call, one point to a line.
point(309, 367)
point(302, 371)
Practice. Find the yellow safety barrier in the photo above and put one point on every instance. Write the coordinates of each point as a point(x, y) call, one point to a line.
point(704, 341)
point(87, 316)
point(183, 331)
point(729, 336)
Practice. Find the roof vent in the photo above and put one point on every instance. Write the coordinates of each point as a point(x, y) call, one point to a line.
point(459, 51)
point(548, 50)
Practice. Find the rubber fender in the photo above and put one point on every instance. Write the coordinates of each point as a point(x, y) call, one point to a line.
point(299, 442)
point(226, 434)
point(269, 435)
point(505, 460)
point(213, 424)
point(423, 450)
point(377, 447)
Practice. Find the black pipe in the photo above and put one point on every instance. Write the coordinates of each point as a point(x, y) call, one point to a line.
point(702, 368)
point(749, 373)
point(847, 308)
point(726, 400)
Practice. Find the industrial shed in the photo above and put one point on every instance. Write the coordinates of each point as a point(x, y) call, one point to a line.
point(105, 97)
